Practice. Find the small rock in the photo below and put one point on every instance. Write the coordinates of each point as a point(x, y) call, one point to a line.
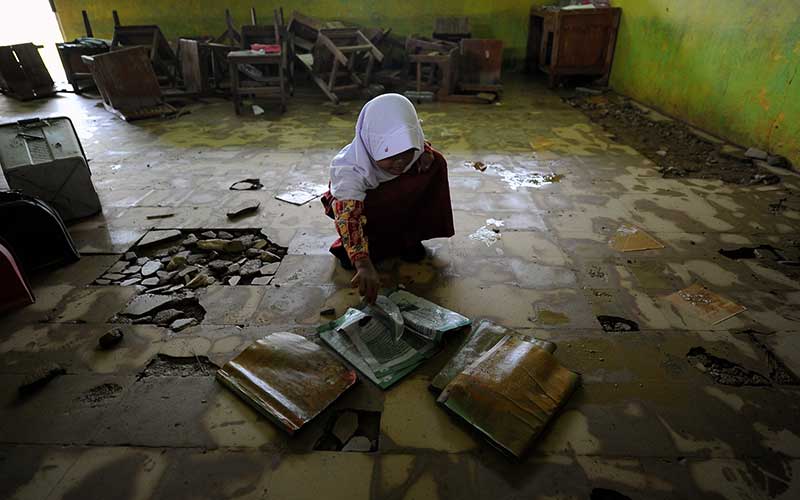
point(150, 281)
point(132, 270)
point(267, 256)
point(269, 269)
point(110, 338)
point(186, 271)
point(194, 258)
point(173, 250)
point(358, 443)
point(250, 268)
point(234, 246)
point(183, 253)
point(234, 268)
point(165, 260)
point(175, 288)
point(259, 244)
point(151, 268)
point(113, 277)
point(262, 281)
point(144, 320)
point(130, 256)
point(141, 261)
point(234, 280)
point(345, 426)
point(224, 235)
point(131, 281)
point(40, 378)
point(253, 253)
point(198, 281)
point(218, 266)
point(167, 316)
point(180, 324)
point(217, 245)
point(209, 235)
point(101, 281)
point(176, 262)
point(247, 240)
point(756, 153)
point(189, 240)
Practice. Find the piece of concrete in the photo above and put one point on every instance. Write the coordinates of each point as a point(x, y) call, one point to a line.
point(224, 235)
point(262, 281)
point(189, 240)
point(244, 209)
point(198, 281)
point(756, 153)
point(358, 443)
point(267, 256)
point(132, 270)
point(114, 277)
point(269, 269)
point(158, 236)
point(130, 256)
point(234, 280)
point(118, 267)
point(250, 268)
point(151, 268)
point(228, 246)
point(101, 281)
point(130, 282)
point(219, 266)
point(209, 235)
point(145, 303)
point(180, 324)
point(259, 244)
point(153, 281)
point(234, 268)
point(167, 316)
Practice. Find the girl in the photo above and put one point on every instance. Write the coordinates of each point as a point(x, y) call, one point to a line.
point(388, 191)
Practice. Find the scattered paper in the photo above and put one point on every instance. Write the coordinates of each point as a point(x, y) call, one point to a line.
point(706, 304)
point(489, 234)
point(257, 110)
point(631, 239)
point(302, 193)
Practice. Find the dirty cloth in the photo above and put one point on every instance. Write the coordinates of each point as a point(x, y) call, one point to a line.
point(510, 393)
point(403, 211)
point(387, 125)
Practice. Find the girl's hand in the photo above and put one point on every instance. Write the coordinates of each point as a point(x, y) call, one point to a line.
point(367, 280)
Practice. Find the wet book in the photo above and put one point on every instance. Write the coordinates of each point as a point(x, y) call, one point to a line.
point(287, 378)
point(484, 335)
point(510, 393)
point(387, 341)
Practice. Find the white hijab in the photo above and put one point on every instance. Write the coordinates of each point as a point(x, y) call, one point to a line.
point(386, 126)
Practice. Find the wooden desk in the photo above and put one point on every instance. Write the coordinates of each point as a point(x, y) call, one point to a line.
point(266, 86)
point(572, 42)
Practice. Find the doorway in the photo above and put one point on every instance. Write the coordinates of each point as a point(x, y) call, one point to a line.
point(34, 21)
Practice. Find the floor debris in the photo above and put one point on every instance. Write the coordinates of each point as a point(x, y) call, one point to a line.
point(705, 304)
point(174, 311)
point(723, 371)
point(164, 365)
point(302, 193)
point(617, 324)
point(361, 434)
point(253, 184)
point(477, 165)
point(630, 238)
point(243, 210)
point(36, 380)
point(100, 393)
point(110, 339)
point(684, 152)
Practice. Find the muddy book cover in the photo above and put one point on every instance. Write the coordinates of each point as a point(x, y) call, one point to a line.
point(287, 378)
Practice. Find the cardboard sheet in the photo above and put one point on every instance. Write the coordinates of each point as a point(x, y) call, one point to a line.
point(631, 239)
point(705, 304)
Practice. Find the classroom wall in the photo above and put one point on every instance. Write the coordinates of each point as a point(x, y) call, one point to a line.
point(727, 66)
point(503, 19)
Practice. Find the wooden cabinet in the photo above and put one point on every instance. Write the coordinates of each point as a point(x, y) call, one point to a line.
point(572, 42)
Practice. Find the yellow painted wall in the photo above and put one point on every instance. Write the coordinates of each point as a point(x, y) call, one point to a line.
point(503, 19)
point(727, 66)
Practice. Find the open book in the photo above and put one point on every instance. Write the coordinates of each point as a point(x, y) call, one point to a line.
point(387, 341)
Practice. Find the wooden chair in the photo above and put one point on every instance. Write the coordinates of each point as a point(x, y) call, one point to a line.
point(266, 72)
point(435, 64)
point(347, 57)
point(23, 74)
point(70, 53)
point(161, 54)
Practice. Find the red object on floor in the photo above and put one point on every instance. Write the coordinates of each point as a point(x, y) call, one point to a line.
point(404, 211)
point(15, 291)
point(268, 48)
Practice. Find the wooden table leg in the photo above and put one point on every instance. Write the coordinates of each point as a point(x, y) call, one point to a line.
point(234, 70)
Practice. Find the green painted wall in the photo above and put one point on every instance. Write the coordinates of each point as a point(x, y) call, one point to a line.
point(503, 19)
point(727, 66)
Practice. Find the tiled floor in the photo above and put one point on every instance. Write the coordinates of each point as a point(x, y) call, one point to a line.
point(645, 423)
